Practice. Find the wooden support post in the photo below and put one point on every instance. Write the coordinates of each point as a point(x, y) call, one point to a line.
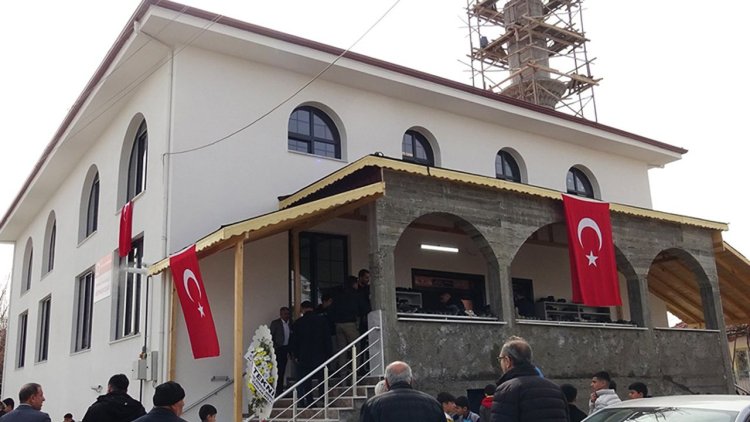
point(172, 363)
point(297, 277)
point(238, 340)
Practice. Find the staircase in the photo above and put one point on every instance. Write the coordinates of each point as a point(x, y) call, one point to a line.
point(340, 393)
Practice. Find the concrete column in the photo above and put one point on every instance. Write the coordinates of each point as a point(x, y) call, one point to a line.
point(640, 311)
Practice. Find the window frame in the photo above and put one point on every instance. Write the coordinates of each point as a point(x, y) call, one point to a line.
point(28, 267)
point(417, 137)
point(84, 307)
point(129, 291)
point(137, 168)
point(45, 309)
point(506, 157)
point(92, 208)
point(50, 264)
point(579, 176)
point(23, 332)
point(310, 139)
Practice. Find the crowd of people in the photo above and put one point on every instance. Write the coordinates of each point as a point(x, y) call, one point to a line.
point(114, 406)
point(521, 394)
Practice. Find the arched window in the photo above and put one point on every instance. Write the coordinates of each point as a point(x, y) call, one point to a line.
point(506, 167)
point(311, 131)
point(92, 210)
point(578, 184)
point(28, 259)
point(137, 163)
point(50, 237)
point(416, 148)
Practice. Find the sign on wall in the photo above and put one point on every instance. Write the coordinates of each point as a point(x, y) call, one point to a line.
point(103, 278)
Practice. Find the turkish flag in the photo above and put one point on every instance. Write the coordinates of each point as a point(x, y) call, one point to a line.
point(189, 285)
point(593, 269)
point(126, 229)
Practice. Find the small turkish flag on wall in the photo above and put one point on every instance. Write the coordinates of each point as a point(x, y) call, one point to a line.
point(126, 229)
point(198, 318)
point(593, 268)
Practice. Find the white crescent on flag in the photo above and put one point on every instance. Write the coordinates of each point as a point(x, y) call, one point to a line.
point(591, 224)
point(186, 277)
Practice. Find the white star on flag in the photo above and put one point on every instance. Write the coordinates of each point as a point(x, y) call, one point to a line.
point(200, 309)
point(592, 258)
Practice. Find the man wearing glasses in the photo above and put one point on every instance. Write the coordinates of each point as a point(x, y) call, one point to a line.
point(523, 395)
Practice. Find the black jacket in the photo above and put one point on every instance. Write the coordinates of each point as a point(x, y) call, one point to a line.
point(114, 407)
point(159, 414)
point(401, 403)
point(522, 395)
point(576, 414)
point(311, 341)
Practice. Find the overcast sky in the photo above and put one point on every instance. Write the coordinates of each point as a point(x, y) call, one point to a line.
point(672, 71)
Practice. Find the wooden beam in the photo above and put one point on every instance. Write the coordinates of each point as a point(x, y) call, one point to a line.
point(297, 276)
point(682, 313)
point(239, 306)
point(172, 363)
point(678, 293)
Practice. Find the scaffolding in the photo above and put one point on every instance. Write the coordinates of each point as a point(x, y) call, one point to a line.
point(533, 50)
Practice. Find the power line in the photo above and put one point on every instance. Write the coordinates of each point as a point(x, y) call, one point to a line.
point(294, 94)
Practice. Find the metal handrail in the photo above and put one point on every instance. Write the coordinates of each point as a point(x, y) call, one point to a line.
point(214, 392)
point(327, 376)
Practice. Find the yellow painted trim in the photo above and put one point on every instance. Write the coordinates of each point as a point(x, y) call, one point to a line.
point(277, 217)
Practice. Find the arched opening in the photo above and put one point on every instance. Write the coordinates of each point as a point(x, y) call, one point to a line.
point(133, 161)
point(510, 166)
point(679, 287)
point(50, 238)
point(88, 213)
point(311, 130)
point(444, 266)
point(419, 146)
point(540, 273)
point(581, 181)
point(27, 269)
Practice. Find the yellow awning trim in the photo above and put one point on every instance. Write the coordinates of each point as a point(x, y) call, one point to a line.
point(279, 218)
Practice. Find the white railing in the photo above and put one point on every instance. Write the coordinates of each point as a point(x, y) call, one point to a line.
point(364, 362)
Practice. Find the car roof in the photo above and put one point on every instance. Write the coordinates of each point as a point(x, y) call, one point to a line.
point(697, 401)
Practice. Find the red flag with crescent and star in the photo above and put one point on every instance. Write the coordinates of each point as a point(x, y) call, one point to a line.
point(198, 319)
point(126, 229)
point(593, 269)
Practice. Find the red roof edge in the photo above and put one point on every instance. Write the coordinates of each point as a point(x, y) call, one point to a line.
point(235, 23)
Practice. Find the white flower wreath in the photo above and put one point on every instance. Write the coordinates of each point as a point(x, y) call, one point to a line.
point(261, 373)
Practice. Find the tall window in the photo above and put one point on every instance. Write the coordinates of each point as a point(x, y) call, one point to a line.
point(49, 244)
point(416, 149)
point(313, 132)
point(137, 163)
point(23, 320)
point(42, 351)
point(578, 184)
point(323, 264)
point(92, 210)
point(129, 294)
point(506, 167)
point(84, 307)
point(27, 266)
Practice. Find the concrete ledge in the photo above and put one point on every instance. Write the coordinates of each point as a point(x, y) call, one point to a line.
point(695, 330)
point(449, 318)
point(581, 324)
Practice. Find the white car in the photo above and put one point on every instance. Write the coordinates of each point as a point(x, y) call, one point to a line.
point(695, 408)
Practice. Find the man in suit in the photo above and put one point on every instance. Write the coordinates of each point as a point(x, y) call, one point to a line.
point(281, 330)
point(310, 346)
point(29, 409)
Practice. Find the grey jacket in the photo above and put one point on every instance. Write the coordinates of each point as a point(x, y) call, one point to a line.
point(25, 413)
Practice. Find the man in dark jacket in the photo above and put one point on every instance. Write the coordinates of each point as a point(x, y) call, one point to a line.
point(169, 400)
point(31, 398)
point(401, 402)
point(310, 346)
point(116, 405)
point(576, 414)
point(522, 395)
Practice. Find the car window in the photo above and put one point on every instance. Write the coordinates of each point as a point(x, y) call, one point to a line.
point(663, 414)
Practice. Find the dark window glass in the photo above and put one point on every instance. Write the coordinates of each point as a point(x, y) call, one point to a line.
point(506, 167)
point(323, 264)
point(23, 320)
point(27, 270)
point(45, 307)
point(578, 184)
point(137, 163)
point(51, 246)
point(92, 211)
point(129, 294)
point(416, 149)
point(313, 132)
point(84, 311)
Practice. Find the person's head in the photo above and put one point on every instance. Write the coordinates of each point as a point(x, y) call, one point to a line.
point(32, 395)
point(118, 383)
point(600, 381)
point(489, 389)
point(448, 402)
point(397, 372)
point(445, 297)
point(637, 390)
point(570, 392)
point(68, 417)
point(171, 396)
point(326, 300)
point(285, 313)
point(207, 413)
point(380, 387)
point(306, 307)
point(9, 404)
point(515, 352)
point(462, 406)
point(363, 277)
point(352, 282)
